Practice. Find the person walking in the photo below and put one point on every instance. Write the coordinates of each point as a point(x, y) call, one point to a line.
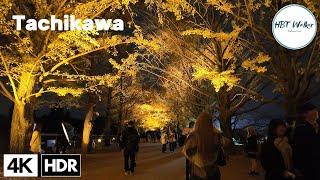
point(202, 149)
point(276, 153)
point(185, 134)
point(164, 140)
point(306, 142)
point(130, 145)
point(172, 141)
point(251, 149)
point(35, 142)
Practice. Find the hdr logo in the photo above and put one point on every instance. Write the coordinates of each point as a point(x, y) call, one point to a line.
point(60, 165)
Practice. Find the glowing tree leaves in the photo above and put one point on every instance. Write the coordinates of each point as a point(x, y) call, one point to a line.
point(267, 3)
point(5, 8)
point(217, 76)
point(56, 55)
point(108, 80)
point(127, 68)
point(221, 5)
point(143, 43)
point(152, 116)
point(178, 7)
point(60, 91)
point(217, 79)
point(313, 5)
point(70, 43)
point(208, 48)
point(25, 47)
point(62, 62)
point(94, 8)
point(220, 36)
point(256, 64)
point(293, 74)
point(206, 33)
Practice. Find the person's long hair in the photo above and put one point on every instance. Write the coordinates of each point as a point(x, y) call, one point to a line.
point(207, 140)
point(273, 125)
point(251, 131)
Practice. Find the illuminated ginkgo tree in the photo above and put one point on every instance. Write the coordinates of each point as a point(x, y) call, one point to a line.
point(38, 62)
point(294, 73)
point(154, 115)
point(205, 46)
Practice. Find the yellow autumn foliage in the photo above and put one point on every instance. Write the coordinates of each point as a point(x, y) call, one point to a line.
point(207, 33)
point(63, 91)
point(153, 115)
point(5, 7)
point(178, 7)
point(127, 67)
point(256, 64)
point(221, 5)
point(217, 79)
point(81, 41)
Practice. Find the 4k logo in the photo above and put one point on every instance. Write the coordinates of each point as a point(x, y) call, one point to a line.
point(20, 165)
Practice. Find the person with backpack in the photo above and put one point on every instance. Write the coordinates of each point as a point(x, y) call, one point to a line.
point(130, 145)
point(203, 149)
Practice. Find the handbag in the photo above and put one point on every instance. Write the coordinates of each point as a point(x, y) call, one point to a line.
point(221, 159)
point(191, 153)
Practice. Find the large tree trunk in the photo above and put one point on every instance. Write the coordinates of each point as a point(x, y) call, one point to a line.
point(20, 129)
point(107, 123)
point(87, 127)
point(107, 129)
point(224, 113)
point(292, 110)
point(226, 127)
point(22, 116)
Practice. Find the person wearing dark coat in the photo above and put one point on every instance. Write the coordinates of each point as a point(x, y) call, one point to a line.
point(251, 149)
point(130, 145)
point(306, 143)
point(276, 153)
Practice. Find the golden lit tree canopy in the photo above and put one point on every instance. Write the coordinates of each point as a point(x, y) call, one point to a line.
point(154, 115)
point(52, 57)
point(194, 53)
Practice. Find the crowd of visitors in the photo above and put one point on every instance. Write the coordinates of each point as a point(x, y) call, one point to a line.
point(294, 155)
point(289, 151)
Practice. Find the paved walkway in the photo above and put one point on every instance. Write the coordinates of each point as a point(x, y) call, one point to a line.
point(154, 165)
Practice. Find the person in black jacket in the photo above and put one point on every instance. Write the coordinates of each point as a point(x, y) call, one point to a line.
point(251, 149)
point(306, 143)
point(276, 153)
point(129, 144)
